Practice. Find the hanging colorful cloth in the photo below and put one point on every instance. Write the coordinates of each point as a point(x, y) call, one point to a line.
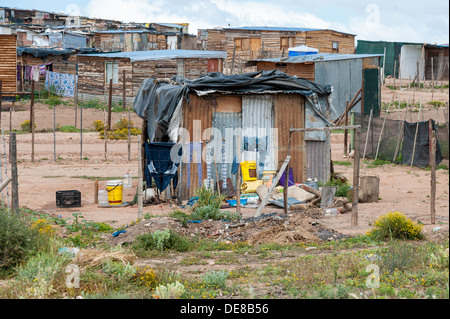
point(42, 69)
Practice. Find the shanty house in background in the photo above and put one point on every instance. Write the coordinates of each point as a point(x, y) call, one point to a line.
point(96, 70)
point(346, 73)
point(247, 43)
point(210, 109)
point(406, 60)
point(8, 64)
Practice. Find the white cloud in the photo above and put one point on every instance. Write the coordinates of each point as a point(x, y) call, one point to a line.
point(371, 20)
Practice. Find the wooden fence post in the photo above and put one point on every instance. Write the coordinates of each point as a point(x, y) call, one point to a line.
point(109, 104)
point(355, 193)
point(140, 179)
point(345, 131)
point(32, 120)
point(14, 176)
point(433, 177)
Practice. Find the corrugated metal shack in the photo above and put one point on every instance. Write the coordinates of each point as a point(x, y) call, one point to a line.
point(405, 59)
point(96, 70)
point(213, 108)
point(247, 43)
point(8, 64)
point(346, 73)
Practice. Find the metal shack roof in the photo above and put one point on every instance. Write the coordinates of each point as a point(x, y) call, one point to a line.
point(152, 55)
point(319, 57)
point(123, 31)
point(263, 28)
point(268, 28)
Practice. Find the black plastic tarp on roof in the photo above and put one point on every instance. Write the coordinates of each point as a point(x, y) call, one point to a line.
point(42, 52)
point(156, 101)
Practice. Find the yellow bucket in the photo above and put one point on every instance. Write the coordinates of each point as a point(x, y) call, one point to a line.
point(115, 192)
point(248, 171)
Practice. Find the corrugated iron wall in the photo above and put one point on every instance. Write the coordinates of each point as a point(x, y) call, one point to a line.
point(257, 120)
point(279, 112)
point(289, 111)
point(345, 76)
point(318, 159)
point(198, 112)
point(226, 123)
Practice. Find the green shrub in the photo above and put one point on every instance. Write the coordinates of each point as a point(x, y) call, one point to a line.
point(17, 239)
point(162, 240)
point(216, 279)
point(170, 291)
point(207, 197)
point(395, 226)
point(25, 126)
point(68, 128)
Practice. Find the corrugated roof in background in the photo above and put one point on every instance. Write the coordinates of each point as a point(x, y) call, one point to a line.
point(162, 55)
point(319, 57)
point(267, 28)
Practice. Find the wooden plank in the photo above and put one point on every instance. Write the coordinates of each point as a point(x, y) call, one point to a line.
point(272, 187)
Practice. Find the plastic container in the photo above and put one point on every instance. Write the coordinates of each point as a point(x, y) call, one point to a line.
point(115, 192)
point(127, 182)
point(102, 196)
point(250, 186)
point(267, 177)
point(71, 198)
point(233, 202)
point(331, 212)
point(248, 171)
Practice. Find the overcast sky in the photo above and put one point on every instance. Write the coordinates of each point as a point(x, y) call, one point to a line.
point(390, 20)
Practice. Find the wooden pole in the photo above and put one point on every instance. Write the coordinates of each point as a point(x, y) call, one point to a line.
point(124, 102)
point(275, 182)
point(395, 67)
point(140, 179)
point(96, 191)
point(238, 177)
point(81, 133)
point(105, 136)
point(32, 120)
point(355, 192)
point(14, 175)
point(54, 133)
point(286, 177)
point(367, 134)
point(432, 80)
point(400, 134)
point(415, 136)
point(433, 177)
point(109, 104)
point(345, 131)
point(382, 129)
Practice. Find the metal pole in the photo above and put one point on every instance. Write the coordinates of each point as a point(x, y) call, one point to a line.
point(14, 176)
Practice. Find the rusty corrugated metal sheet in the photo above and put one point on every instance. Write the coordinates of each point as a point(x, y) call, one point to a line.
point(196, 115)
point(289, 111)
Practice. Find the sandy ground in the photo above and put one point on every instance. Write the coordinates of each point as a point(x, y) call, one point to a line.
point(402, 188)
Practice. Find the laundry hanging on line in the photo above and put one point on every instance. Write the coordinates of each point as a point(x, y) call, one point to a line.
point(159, 164)
point(62, 83)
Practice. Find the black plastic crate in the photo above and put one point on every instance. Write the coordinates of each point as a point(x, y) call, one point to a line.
point(71, 198)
